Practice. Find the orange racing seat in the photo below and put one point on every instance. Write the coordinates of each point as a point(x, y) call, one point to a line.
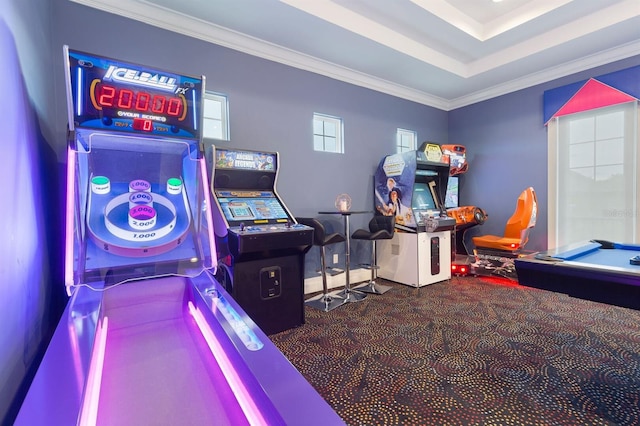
point(516, 231)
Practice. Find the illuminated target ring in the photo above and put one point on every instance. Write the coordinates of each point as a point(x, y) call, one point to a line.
point(142, 218)
point(138, 222)
point(140, 199)
point(141, 224)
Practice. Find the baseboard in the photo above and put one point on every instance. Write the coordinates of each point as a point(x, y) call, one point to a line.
point(356, 276)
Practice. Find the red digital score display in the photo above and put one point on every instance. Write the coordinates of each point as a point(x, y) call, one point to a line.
point(107, 96)
point(143, 124)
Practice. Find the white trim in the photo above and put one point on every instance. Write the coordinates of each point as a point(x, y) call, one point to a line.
point(552, 183)
point(602, 58)
point(485, 30)
point(356, 277)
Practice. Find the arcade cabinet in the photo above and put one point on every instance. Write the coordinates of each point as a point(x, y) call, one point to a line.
point(412, 186)
point(148, 336)
point(466, 217)
point(261, 247)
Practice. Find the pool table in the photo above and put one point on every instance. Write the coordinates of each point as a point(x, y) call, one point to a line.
point(597, 270)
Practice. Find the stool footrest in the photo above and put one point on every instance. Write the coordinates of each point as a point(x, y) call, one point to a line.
point(334, 271)
point(331, 271)
point(373, 288)
point(369, 266)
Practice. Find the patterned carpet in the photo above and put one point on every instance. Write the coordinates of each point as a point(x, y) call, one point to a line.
point(472, 351)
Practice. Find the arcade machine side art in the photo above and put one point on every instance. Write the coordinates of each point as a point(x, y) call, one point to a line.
point(261, 246)
point(148, 337)
point(466, 217)
point(412, 185)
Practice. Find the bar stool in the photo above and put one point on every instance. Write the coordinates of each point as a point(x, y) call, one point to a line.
point(380, 228)
point(326, 302)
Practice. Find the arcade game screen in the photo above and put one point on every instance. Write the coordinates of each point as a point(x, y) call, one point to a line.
point(251, 207)
point(451, 199)
point(422, 198)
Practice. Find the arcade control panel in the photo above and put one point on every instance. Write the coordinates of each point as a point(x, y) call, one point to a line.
point(268, 228)
point(251, 238)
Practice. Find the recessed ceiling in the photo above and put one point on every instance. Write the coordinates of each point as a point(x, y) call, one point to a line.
point(442, 53)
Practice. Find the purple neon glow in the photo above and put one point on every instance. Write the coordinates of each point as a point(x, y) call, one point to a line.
point(195, 110)
point(89, 412)
point(68, 257)
point(253, 414)
point(75, 353)
point(207, 200)
point(80, 95)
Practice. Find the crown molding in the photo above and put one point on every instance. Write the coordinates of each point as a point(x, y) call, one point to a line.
point(484, 31)
point(602, 58)
point(171, 20)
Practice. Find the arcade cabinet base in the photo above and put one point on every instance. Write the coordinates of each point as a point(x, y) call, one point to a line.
point(270, 291)
point(415, 259)
point(495, 263)
point(461, 265)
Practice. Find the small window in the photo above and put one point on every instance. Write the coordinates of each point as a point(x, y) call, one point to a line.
point(406, 140)
point(327, 134)
point(215, 124)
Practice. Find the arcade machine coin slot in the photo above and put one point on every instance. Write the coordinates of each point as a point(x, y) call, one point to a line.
point(435, 257)
point(270, 282)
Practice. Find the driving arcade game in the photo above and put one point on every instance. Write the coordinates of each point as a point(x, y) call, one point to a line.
point(148, 336)
point(466, 217)
point(495, 254)
point(412, 186)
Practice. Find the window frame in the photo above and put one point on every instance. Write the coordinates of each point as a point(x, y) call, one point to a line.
point(223, 121)
point(339, 133)
point(413, 144)
point(556, 160)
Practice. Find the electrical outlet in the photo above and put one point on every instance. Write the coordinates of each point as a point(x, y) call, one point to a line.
point(335, 258)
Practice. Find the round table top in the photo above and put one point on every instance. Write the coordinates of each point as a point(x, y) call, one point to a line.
point(345, 212)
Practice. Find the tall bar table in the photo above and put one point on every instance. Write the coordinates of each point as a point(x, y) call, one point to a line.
point(348, 294)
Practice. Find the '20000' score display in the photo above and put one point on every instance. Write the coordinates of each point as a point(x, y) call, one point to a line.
point(107, 96)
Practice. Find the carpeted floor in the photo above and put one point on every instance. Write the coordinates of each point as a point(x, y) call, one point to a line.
point(472, 351)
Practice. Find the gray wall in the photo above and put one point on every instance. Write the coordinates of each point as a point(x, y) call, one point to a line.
point(271, 107)
point(29, 222)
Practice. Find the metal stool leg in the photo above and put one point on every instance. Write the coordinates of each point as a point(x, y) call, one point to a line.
point(373, 287)
point(326, 302)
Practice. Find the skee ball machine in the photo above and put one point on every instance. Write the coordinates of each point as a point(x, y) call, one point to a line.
point(412, 186)
point(261, 246)
point(148, 336)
